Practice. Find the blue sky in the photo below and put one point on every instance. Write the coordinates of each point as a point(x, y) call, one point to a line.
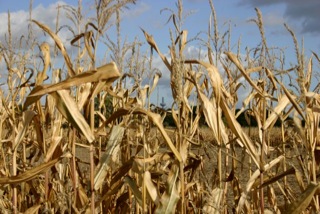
point(301, 16)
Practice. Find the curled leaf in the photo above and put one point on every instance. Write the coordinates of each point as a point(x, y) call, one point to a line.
point(60, 45)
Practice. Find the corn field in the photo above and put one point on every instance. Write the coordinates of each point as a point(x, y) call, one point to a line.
point(77, 138)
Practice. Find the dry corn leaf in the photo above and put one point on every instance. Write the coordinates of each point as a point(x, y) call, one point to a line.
point(45, 49)
point(282, 104)
point(142, 93)
point(309, 75)
point(117, 181)
point(317, 57)
point(272, 78)
point(248, 71)
point(98, 87)
point(49, 109)
point(56, 130)
point(111, 150)
point(156, 78)
point(213, 202)
point(174, 114)
point(29, 174)
point(313, 99)
point(39, 132)
point(84, 93)
point(299, 179)
point(213, 119)
point(298, 126)
point(272, 198)
point(303, 200)
point(53, 145)
point(121, 172)
point(257, 115)
point(69, 109)
point(236, 189)
point(246, 102)
point(252, 181)
point(237, 131)
point(82, 196)
point(194, 126)
point(32, 99)
point(87, 38)
point(189, 86)
point(269, 181)
point(215, 77)
point(211, 111)
point(134, 188)
point(235, 60)
point(155, 118)
point(27, 118)
point(60, 46)
point(292, 100)
point(112, 190)
point(183, 41)
point(140, 162)
point(107, 73)
point(254, 69)
point(170, 197)
point(153, 45)
point(151, 188)
point(33, 210)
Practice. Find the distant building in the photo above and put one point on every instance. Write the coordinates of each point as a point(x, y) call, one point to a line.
point(163, 104)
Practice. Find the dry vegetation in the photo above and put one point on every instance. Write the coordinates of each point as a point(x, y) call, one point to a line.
point(61, 153)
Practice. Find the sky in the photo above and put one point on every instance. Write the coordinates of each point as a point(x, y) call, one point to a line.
point(301, 16)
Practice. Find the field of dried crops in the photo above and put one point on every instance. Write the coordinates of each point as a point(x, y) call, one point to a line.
point(85, 142)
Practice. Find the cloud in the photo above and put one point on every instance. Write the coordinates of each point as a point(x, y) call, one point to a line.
point(20, 23)
point(273, 19)
point(20, 29)
point(305, 12)
point(136, 10)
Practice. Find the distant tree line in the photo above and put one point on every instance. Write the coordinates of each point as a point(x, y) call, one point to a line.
point(243, 120)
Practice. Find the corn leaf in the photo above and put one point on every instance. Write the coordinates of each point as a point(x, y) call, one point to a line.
point(170, 197)
point(282, 104)
point(156, 78)
point(135, 189)
point(151, 188)
point(69, 109)
point(252, 180)
point(107, 73)
point(27, 117)
point(60, 45)
point(155, 118)
point(304, 200)
point(235, 61)
point(213, 202)
point(29, 174)
point(153, 45)
point(112, 146)
point(33, 210)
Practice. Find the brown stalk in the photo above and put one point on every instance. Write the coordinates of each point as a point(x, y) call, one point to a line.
point(9, 63)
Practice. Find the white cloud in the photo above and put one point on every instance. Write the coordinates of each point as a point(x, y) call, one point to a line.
point(20, 21)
